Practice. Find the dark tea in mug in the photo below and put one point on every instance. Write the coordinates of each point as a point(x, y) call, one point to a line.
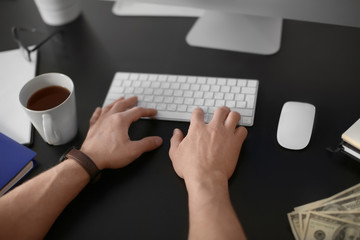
point(48, 97)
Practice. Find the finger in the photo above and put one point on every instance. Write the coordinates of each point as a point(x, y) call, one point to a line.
point(147, 144)
point(109, 106)
point(136, 113)
point(175, 140)
point(241, 134)
point(232, 120)
point(220, 115)
point(197, 115)
point(95, 116)
point(121, 106)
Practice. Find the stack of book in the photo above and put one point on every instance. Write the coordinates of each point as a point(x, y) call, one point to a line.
point(351, 141)
point(16, 161)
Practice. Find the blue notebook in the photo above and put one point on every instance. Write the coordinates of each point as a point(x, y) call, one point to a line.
point(16, 161)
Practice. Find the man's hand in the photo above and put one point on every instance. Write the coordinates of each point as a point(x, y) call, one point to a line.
point(208, 149)
point(206, 159)
point(108, 143)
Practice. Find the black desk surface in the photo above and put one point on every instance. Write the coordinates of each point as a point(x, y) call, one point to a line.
point(317, 63)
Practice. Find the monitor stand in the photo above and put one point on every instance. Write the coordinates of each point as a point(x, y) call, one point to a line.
point(236, 32)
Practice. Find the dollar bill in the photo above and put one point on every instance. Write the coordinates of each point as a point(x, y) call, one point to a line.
point(341, 207)
point(347, 192)
point(304, 216)
point(351, 202)
point(294, 220)
point(325, 227)
point(351, 216)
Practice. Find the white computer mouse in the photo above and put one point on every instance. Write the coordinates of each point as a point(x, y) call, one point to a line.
point(295, 125)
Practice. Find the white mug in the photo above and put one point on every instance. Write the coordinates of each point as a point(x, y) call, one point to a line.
point(57, 125)
point(58, 12)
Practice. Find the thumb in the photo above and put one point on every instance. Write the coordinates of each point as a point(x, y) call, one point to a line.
point(175, 140)
point(241, 133)
point(148, 144)
point(95, 116)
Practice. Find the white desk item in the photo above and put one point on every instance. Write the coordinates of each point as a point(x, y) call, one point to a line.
point(351, 140)
point(124, 8)
point(15, 71)
point(295, 125)
point(251, 34)
point(352, 135)
point(59, 12)
point(176, 96)
point(56, 122)
point(259, 30)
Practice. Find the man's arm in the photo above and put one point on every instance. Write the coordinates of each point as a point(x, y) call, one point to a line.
point(28, 211)
point(206, 158)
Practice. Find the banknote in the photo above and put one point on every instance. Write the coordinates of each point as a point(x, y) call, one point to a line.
point(347, 192)
point(341, 208)
point(294, 220)
point(351, 216)
point(303, 221)
point(325, 227)
point(351, 202)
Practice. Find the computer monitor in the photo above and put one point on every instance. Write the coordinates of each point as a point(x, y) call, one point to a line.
point(255, 26)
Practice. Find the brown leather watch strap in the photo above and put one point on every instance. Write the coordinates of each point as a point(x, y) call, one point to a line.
point(85, 162)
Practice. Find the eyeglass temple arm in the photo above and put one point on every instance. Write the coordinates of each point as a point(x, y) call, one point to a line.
point(16, 36)
point(45, 40)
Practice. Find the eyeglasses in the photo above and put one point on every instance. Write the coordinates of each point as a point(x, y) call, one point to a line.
point(26, 50)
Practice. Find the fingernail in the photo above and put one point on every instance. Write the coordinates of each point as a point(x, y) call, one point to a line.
point(175, 130)
point(158, 140)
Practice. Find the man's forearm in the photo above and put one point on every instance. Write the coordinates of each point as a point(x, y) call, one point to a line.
point(28, 211)
point(211, 213)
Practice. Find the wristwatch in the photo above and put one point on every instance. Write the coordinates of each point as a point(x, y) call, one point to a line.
point(84, 161)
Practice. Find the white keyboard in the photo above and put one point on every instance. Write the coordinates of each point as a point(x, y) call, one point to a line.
point(176, 96)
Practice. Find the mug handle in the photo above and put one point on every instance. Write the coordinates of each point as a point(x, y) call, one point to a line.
point(50, 133)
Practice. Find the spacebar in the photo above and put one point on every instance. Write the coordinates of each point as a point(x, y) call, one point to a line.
point(179, 116)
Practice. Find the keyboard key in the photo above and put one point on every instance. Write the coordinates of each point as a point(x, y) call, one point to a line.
point(134, 76)
point(230, 104)
point(143, 77)
point(201, 80)
point(229, 96)
point(181, 108)
point(211, 81)
point(209, 102)
point(244, 112)
point(122, 75)
point(168, 92)
point(188, 101)
point(241, 82)
point(161, 106)
point(184, 116)
point(188, 94)
point(221, 81)
point(219, 95)
point(231, 82)
point(247, 90)
point(246, 121)
point(152, 77)
point(171, 107)
point(215, 88)
point(208, 95)
point(240, 104)
point(250, 99)
point(168, 99)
